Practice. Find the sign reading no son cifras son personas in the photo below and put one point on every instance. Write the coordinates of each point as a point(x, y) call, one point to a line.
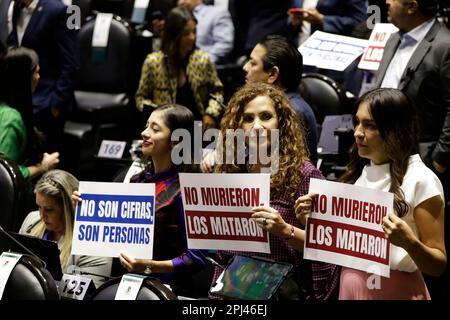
point(345, 226)
point(218, 208)
point(114, 218)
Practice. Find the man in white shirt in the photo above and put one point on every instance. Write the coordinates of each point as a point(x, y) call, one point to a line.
point(215, 29)
point(416, 60)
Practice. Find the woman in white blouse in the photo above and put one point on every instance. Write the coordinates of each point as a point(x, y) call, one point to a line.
point(385, 157)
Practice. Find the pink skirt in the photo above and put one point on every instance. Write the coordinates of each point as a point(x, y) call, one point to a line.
point(360, 285)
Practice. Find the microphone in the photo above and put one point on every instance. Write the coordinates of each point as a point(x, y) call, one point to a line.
point(22, 246)
point(214, 262)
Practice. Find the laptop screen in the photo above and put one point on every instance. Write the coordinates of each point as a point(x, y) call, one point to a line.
point(46, 250)
point(251, 278)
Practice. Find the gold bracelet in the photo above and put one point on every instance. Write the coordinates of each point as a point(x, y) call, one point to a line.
point(291, 236)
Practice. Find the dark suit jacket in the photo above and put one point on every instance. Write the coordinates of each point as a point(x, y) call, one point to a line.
point(256, 19)
point(4, 5)
point(341, 16)
point(56, 45)
point(427, 81)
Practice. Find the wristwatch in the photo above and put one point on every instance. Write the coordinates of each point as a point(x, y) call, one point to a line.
point(148, 269)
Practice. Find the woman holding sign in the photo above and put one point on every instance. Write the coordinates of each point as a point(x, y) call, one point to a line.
point(263, 113)
point(54, 221)
point(385, 157)
point(172, 262)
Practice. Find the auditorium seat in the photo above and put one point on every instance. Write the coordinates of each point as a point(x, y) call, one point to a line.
point(325, 96)
point(29, 280)
point(101, 92)
point(151, 289)
point(12, 195)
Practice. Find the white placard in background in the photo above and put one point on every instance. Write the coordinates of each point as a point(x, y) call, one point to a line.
point(331, 51)
point(372, 56)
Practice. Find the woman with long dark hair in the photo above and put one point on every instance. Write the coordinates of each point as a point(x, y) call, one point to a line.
point(172, 262)
point(180, 73)
point(19, 140)
point(385, 157)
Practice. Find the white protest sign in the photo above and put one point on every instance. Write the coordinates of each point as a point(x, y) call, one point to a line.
point(129, 287)
point(345, 226)
point(8, 261)
point(114, 218)
point(218, 208)
point(372, 56)
point(331, 51)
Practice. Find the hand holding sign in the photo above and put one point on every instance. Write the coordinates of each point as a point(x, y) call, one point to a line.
point(397, 231)
point(133, 265)
point(270, 219)
point(303, 207)
point(76, 197)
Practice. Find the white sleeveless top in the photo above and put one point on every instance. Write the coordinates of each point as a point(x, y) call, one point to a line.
point(419, 184)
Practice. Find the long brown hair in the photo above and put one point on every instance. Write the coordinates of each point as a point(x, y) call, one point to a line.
point(396, 120)
point(176, 21)
point(292, 146)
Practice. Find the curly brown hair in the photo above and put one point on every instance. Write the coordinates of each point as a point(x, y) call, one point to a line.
point(292, 145)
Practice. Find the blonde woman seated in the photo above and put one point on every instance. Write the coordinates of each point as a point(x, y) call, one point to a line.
point(55, 219)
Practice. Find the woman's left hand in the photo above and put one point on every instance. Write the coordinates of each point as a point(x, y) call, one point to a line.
point(133, 265)
point(270, 219)
point(397, 231)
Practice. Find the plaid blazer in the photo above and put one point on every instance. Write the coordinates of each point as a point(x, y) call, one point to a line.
point(156, 88)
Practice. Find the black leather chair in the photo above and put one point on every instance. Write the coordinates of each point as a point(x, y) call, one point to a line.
point(101, 86)
point(101, 93)
point(151, 289)
point(29, 280)
point(325, 95)
point(12, 195)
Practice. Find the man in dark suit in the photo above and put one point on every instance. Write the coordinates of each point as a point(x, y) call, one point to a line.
point(416, 60)
point(42, 25)
point(4, 7)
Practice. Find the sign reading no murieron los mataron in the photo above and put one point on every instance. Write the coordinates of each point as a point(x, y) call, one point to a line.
point(114, 218)
point(374, 53)
point(345, 226)
point(218, 208)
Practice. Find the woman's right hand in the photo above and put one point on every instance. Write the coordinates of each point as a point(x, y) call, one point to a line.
point(208, 162)
point(303, 207)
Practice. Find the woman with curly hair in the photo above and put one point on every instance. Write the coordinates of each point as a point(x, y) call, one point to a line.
point(385, 156)
point(263, 111)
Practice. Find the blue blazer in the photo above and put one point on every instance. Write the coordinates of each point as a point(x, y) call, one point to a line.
point(341, 16)
point(57, 47)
